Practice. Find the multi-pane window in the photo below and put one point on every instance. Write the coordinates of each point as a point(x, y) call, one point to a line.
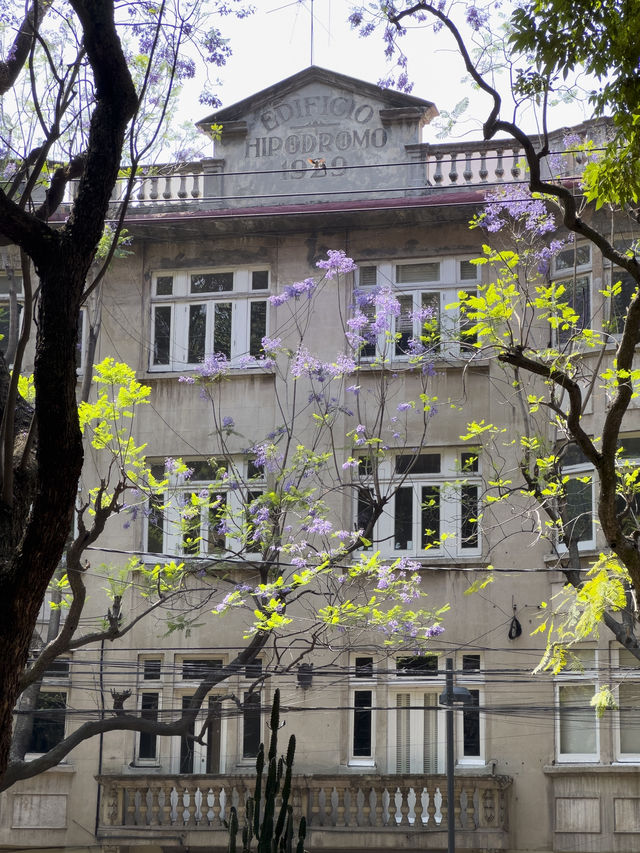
point(148, 742)
point(151, 669)
point(577, 724)
point(427, 293)
point(433, 509)
point(628, 706)
point(48, 721)
point(203, 512)
point(414, 739)
point(196, 313)
point(199, 668)
point(625, 287)
point(199, 757)
point(572, 269)
point(251, 725)
point(362, 746)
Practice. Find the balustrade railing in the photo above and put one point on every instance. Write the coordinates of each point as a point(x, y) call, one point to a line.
point(382, 802)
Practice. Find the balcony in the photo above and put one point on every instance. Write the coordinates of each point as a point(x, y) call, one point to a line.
point(343, 812)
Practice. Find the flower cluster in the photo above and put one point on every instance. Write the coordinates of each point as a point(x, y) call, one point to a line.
point(513, 201)
point(294, 291)
point(337, 263)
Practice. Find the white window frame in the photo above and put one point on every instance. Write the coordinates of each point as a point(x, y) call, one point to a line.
point(177, 490)
point(241, 297)
point(565, 275)
point(416, 691)
point(472, 680)
point(450, 479)
point(149, 681)
point(447, 284)
point(199, 749)
point(358, 684)
point(626, 675)
point(53, 685)
point(571, 679)
point(573, 472)
point(148, 687)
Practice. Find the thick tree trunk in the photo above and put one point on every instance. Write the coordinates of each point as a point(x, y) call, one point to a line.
point(31, 546)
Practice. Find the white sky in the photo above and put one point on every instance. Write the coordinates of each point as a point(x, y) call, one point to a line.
point(274, 43)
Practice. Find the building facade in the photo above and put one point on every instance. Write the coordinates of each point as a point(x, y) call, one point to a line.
point(323, 162)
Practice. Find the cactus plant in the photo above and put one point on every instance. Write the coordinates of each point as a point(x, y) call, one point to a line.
point(273, 835)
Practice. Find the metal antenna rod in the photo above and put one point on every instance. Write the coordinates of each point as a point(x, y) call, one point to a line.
point(312, 21)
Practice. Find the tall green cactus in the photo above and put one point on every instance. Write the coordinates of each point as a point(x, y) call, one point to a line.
point(273, 835)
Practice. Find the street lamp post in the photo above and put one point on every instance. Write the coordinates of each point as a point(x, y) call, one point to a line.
point(452, 696)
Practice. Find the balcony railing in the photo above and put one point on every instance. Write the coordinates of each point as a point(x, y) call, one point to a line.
point(151, 805)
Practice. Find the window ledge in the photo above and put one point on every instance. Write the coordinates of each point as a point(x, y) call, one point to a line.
point(148, 375)
point(463, 563)
point(577, 768)
point(361, 762)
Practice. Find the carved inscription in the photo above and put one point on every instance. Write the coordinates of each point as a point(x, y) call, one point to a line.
point(316, 126)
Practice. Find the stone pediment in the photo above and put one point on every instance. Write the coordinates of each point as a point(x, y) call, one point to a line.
point(316, 136)
point(284, 92)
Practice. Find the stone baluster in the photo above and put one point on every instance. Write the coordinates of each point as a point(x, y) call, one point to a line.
point(468, 170)
point(499, 167)
point(195, 186)
point(153, 191)
point(340, 816)
point(437, 178)
point(164, 805)
point(182, 189)
point(215, 819)
point(369, 807)
point(142, 188)
point(484, 172)
point(166, 193)
point(354, 798)
point(393, 808)
point(471, 809)
point(404, 807)
point(325, 808)
point(418, 808)
point(515, 167)
point(453, 170)
point(130, 811)
point(146, 798)
point(431, 809)
point(314, 817)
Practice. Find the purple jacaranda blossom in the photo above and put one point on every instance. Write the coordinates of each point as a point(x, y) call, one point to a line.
point(405, 407)
point(294, 291)
point(433, 631)
point(271, 345)
point(216, 364)
point(344, 365)
point(515, 202)
point(321, 526)
point(337, 263)
point(546, 253)
point(476, 18)
point(170, 465)
point(188, 380)
point(571, 140)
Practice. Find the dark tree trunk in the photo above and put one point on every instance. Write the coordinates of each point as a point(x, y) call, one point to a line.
point(31, 544)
